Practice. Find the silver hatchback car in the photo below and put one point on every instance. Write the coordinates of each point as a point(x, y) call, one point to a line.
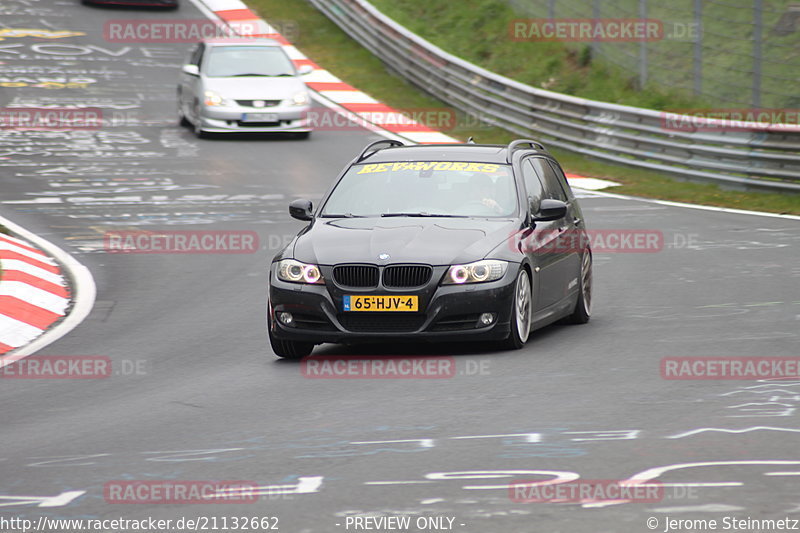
point(243, 85)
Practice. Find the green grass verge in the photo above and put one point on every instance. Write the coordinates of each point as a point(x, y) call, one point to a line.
point(325, 43)
point(481, 34)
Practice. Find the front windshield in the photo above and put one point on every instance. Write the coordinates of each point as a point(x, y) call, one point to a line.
point(429, 188)
point(226, 61)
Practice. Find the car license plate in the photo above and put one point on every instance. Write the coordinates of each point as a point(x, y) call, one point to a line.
point(380, 303)
point(259, 117)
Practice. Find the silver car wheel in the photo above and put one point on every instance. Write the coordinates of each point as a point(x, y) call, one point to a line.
point(586, 281)
point(522, 306)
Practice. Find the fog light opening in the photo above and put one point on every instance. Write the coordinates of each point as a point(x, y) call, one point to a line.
point(486, 319)
point(286, 318)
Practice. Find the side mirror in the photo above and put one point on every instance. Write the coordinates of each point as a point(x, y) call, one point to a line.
point(550, 209)
point(191, 70)
point(305, 69)
point(301, 209)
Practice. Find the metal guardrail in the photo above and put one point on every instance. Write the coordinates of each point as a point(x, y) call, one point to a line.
point(759, 157)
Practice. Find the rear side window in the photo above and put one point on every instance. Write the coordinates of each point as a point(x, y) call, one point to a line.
point(552, 187)
point(562, 179)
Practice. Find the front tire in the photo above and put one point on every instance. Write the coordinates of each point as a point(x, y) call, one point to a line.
point(198, 125)
point(583, 307)
point(288, 349)
point(521, 312)
point(182, 120)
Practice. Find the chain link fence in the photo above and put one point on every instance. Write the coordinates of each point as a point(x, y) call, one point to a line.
point(728, 52)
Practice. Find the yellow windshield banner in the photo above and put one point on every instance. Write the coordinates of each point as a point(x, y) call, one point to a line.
point(488, 168)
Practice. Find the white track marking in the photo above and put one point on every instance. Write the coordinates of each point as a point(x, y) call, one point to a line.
point(349, 97)
point(696, 206)
point(22, 266)
point(425, 443)
point(304, 485)
point(591, 184)
point(722, 430)
point(34, 296)
point(650, 474)
point(223, 5)
point(15, 333)
point(84, 292)
point(11, 247)
point(529, 437)
point(42, 501)
point(707, 508)
point(396, 482)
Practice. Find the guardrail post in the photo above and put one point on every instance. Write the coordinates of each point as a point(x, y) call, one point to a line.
point(757, 24)
point(643, 47)
point(595, 16)
point(698, 47)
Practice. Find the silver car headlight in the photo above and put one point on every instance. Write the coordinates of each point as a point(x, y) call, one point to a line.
point(297, 272)
point(214, 99)
point(477, 272)
point(300, 98)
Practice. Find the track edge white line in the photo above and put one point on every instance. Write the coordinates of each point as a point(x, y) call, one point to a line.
point(84, 292)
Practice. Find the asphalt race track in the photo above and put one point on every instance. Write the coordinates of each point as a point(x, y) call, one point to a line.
point(198, 395)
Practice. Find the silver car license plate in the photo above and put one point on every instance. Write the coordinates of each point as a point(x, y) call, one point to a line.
point(259, 117)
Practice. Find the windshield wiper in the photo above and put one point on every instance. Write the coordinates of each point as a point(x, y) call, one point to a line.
point(436, 215)
point(346, 215)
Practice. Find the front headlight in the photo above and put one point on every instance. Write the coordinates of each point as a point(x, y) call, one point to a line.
point(297, 272)
point(477, 272)
point(300, 98)
point(213, 98)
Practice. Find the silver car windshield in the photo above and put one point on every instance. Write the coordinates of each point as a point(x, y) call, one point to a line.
point(229, 61)
point(424, 189)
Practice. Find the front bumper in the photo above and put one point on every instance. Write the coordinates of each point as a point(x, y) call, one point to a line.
point(229, 119)
point(447, 313)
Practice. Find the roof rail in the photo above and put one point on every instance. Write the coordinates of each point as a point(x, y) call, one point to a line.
point(364, 154)
point(519, 142)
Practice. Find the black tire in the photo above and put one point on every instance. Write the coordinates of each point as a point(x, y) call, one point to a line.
point(198, 130)
point(182, 120)
point(517, 337)
point(288, 349)
point(302, 135)
point(583, 307)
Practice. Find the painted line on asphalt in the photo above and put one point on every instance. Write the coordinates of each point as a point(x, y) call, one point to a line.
point(696, 206)
point(84, 293)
